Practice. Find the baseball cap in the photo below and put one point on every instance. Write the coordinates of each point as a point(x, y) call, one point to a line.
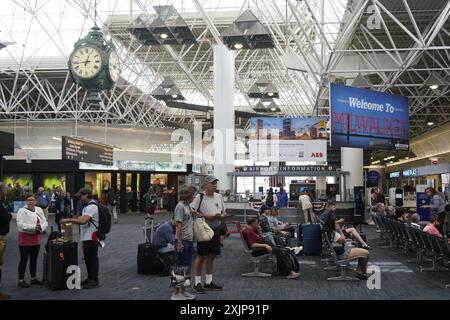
point(83, 191)
point(210, 178)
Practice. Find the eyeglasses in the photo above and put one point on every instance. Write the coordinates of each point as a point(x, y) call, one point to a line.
point(31, 200)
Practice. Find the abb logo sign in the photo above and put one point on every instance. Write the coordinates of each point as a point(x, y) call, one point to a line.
point(317, 155)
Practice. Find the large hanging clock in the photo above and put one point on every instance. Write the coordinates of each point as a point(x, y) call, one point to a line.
point(94, 64)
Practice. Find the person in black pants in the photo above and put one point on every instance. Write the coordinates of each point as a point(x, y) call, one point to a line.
point(5, 218)
point(89, 221)
point(31, 223)
point(62, 209)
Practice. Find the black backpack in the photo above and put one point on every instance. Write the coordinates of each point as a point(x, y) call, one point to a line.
point(269, 201)
point(104, 220)
point(291, 260)
point(152, 201)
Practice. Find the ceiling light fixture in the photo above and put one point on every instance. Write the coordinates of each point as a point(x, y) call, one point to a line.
point(406, 158)
point(163, 35)
point(430, 123)
point(434, 86)
point(270, 94)
point(273, 109)
point(238, 46)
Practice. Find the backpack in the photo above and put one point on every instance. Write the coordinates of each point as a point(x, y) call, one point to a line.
point(291, 260)
point(269, 201)
point(104, 220)
point(152, 201)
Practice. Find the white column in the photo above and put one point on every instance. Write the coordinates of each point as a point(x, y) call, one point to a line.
point(352, 162)
point(223, 115)
point(321, 185)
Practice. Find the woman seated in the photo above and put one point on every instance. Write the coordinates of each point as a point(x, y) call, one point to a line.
point(285, 229)
point(344, 250)
point(402, 215)
point(433, 227)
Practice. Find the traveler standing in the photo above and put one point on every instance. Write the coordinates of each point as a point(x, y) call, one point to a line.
point(271, 199)
point(184, 238)
point(151, 201)
point(282, 198)
point(307, 208)
point(43, 201)
point(209, 205)
point(112, 203)
point(5, 218)
point(88, 221)
point(31, 223)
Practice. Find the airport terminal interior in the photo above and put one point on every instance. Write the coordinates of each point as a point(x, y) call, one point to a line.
point(225, 150)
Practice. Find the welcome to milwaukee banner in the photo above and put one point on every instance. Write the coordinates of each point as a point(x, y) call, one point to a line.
point(368, 119)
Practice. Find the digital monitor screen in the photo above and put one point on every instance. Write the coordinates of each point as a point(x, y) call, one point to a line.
point(398, 196)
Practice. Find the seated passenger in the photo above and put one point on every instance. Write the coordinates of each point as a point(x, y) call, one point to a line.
point(344, 250)
point(165, 242)
point(266, 231)
point(254, 240)
point(329, 213)
point(402, 215)
point(279, 227)
point(380, 209)
point(391, 212)
point(415, 221)
point(433, 226)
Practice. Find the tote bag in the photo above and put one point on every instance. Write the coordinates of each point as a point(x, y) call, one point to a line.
point(202, 232)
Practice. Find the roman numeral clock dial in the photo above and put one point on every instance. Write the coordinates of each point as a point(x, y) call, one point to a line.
point(86, 62)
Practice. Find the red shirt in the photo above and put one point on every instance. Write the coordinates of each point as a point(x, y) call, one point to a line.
point(252, 237)
point(29, 239)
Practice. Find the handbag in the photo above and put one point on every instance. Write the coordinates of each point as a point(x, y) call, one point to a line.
point(202, 232)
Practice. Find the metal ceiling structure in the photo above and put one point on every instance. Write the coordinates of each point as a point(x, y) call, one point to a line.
point(392, 46)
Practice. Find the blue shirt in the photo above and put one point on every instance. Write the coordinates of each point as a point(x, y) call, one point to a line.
point(164, 235)
point(43, 200)
point(282, 199)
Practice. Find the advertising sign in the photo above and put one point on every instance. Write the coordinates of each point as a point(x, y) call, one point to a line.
point(368, 119)
point(373, 177)
point(288, 139)
point(86, 151)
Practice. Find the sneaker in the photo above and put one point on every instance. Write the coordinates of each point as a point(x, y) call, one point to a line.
point(23, 284)
point(297, 250)
point(178, 296)
point(212, 286)
point(187, 283)
point(91, 284)
point(4, 296)
point(188, 296)
point(84, 282)
point(377, 230)
point(293, 275)
point(198, 288)
point(362, 276)
point(36, 282)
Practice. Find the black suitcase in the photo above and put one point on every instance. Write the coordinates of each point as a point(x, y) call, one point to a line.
point(148, 259)
point(56, 262)
point(311, 238)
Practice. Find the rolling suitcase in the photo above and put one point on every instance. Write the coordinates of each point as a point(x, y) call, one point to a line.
point(148, 259)
point(311, 236)
point(56, 262)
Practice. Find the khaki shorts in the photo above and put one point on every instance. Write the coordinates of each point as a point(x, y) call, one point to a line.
point(2, 248)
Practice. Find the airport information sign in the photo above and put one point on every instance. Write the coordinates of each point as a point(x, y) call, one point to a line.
point(368, 119)
point(86, 151)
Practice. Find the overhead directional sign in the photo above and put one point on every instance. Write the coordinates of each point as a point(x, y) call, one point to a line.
point(86, 151)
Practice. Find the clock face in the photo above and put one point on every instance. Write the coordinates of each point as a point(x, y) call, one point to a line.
point(86, 62)
point(114, 66)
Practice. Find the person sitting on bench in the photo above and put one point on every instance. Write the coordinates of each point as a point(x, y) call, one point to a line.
point(255, 242)
point(268, 236)
point(346, 232)
point(415, 221)
point(344, 250)
point(279, 227)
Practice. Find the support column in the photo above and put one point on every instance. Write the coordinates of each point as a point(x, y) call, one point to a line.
point(223, 115)
point(352, 162)
point(321, 186)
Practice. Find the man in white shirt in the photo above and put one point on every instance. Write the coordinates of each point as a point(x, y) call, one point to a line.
point(211, 206)
point(88, 221)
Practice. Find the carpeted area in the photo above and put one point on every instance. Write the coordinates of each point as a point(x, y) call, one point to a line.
point(400, 280)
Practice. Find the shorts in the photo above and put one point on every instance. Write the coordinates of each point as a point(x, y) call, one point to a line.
point(211, 247)
point(2, 249)
point(347, 250)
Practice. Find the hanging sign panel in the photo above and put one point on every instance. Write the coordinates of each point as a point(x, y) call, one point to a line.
point(288, 139)
point(86, 151)
point(368, 119)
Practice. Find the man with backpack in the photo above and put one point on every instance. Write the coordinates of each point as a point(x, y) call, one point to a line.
point(287, 264)
point(95, 222)
point(151, 200)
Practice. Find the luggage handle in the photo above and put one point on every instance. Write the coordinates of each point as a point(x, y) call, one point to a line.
point(146, 223)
